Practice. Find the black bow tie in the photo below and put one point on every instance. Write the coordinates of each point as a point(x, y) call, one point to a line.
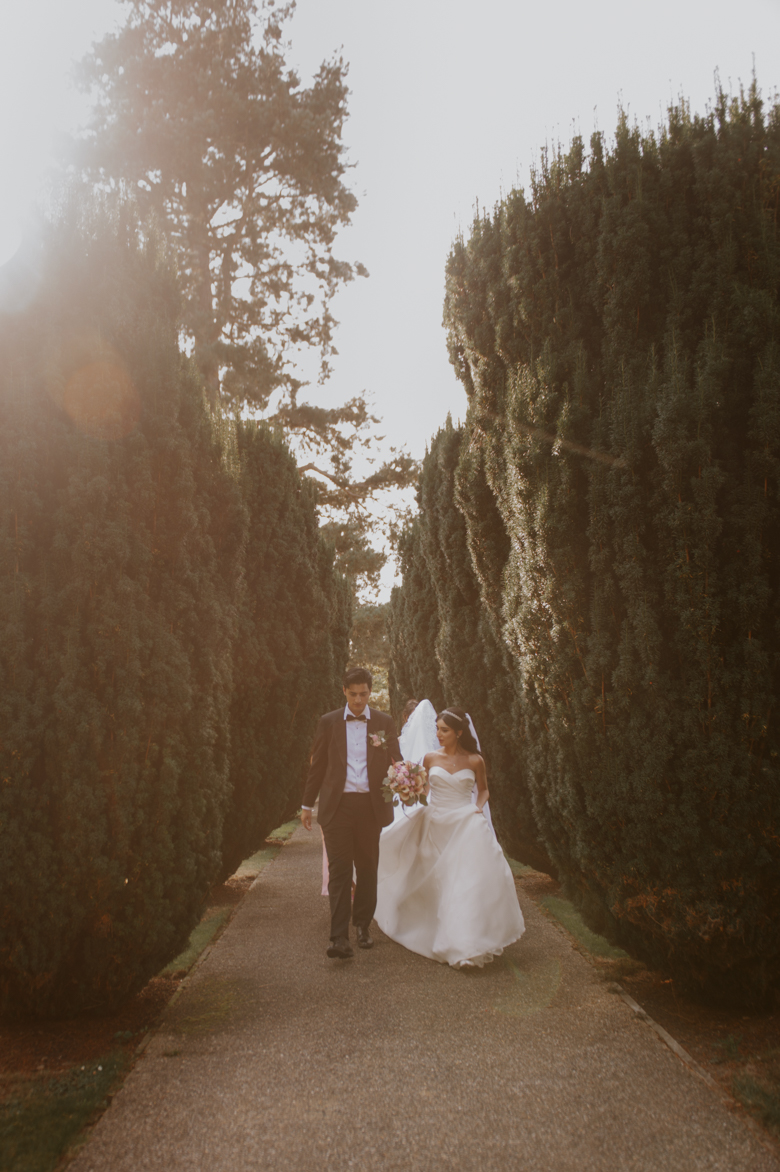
point(351, 717)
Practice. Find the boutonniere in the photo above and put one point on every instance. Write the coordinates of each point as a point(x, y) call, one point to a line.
point(378, 740)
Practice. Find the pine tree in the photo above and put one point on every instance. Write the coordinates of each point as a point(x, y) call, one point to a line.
point(198, 112)
point(199, 117)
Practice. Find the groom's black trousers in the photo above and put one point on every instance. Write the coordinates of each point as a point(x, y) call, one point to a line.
point(352, 836)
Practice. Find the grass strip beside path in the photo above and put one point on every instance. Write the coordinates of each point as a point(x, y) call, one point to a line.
point(761, 1098)
point(42, 1117)
point(200, 938)
point(566, 913)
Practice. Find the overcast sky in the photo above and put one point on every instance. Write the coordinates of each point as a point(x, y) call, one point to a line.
point(451, 102)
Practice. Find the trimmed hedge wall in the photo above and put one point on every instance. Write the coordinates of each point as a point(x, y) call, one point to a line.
point(455, 657)
point(618, 334)
point(132, 539)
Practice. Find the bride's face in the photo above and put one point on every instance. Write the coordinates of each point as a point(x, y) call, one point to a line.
point(448, 738)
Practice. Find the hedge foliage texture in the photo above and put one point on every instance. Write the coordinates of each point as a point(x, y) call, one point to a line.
point(149, 698)
point(444, 648)
point(618, 335)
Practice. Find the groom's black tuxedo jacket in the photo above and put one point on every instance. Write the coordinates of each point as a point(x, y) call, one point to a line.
point(328, 769)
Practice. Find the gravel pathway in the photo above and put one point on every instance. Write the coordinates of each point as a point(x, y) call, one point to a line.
point(275, 1058)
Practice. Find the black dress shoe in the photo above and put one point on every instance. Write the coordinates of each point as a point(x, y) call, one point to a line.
point(363, 937)
point(340, 948)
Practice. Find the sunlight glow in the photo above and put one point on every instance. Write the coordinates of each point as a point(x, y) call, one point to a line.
point(473, 100)
point(90, 382)
point(102, 401)
point(38, 103)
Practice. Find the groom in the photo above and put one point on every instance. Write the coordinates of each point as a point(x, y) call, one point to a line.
point(352, 751)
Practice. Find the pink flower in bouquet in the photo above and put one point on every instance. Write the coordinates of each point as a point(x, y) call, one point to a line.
point(406, 782)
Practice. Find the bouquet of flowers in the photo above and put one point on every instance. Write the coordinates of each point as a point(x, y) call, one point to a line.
point(405, 784)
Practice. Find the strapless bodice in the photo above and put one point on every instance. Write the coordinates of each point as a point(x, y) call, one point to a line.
point(450, 789)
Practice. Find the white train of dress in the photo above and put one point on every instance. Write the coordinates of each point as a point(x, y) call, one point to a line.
point(445, 889)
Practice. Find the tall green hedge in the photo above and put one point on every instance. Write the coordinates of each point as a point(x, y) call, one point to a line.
point(136, 552)
point(441, 596)
point(121, 535)
point(292, 644)
point(412, 628)
point(618, 335)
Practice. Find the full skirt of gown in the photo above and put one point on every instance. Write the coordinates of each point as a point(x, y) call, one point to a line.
point(445, 889)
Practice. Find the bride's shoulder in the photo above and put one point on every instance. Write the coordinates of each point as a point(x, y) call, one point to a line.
point(475, 759)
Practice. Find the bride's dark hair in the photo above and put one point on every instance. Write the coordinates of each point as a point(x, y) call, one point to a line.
point(456, 719)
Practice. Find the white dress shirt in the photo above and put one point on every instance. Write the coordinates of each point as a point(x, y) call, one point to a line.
point(357, 752)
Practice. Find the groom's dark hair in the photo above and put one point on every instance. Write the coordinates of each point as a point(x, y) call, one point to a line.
point(358, 675)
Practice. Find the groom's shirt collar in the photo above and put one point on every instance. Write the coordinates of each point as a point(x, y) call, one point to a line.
point(366, 712)
point(357, 753)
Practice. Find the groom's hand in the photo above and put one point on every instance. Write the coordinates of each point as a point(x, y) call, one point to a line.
point(306, 819)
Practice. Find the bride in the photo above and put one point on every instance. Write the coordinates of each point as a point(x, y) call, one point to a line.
point(419, 736)
point(445, 889)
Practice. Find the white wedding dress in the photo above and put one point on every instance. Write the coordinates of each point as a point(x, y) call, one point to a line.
point(445, 889)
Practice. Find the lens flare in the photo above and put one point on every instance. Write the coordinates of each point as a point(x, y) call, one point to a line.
point(102, 401)
point(89, 381)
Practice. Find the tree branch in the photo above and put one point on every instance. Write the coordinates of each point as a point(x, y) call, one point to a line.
point(332, 479)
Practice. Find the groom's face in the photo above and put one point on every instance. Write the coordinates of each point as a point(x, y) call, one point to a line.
point(357, 697)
